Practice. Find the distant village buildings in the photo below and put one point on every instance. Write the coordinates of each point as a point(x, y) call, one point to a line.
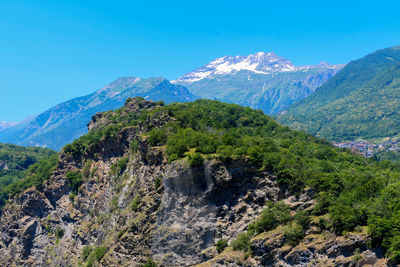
point(368, 149)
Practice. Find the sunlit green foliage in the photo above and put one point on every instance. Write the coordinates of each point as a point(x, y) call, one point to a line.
point(273, 215)
point(361, 102)
point(157, 137)
point(350, 190)
point(75, 179)
point(33, 176)
point(221, 245)
point(293, 234)
point(59, 232)
point(242, 242)
point(391, 156)
point(92, 254)
point(149, 263)
point(196, 160)
point(86, 168)
point(135, 203)
point(157, 182)
point(346, 184)
point(14, 162)
point(120, 166)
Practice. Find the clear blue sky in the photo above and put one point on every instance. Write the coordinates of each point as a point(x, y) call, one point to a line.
point(51, 51)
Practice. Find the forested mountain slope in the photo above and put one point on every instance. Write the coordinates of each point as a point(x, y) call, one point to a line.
point(15, 162)
point(202, 183)
point(361, 102)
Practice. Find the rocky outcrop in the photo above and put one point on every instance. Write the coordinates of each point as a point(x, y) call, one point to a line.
point(133, 206)
point(201, 205)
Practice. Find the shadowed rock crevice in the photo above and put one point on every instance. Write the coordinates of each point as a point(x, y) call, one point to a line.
point(202, 204)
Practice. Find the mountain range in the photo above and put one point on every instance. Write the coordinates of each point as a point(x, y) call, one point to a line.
point(360, 102)
point(207, 183)
point(65, 122)
point(263, 81)
point(5, 124)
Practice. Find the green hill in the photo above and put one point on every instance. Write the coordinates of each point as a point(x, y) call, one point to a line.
point(361, 102)
point(15, 161)
point(350, 191)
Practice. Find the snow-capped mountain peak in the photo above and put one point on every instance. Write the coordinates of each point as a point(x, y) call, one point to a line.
point(5, 124)
point(260, 62)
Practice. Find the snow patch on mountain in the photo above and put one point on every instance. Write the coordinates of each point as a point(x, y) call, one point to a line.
point(260, 62)
point(5, 124)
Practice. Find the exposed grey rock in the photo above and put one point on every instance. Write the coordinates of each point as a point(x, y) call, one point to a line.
point(175, 221)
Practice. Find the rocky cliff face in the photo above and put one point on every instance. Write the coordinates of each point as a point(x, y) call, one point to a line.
point(132, 206)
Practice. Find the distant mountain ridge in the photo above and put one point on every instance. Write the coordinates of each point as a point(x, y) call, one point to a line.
point(262, 80)
point(5, 124)
point(360, 102)
point(260, 62)
point(67, 121)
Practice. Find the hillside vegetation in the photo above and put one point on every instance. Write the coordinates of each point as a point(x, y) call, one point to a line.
point(353, 190)
point(361, 102)
point(17, 162)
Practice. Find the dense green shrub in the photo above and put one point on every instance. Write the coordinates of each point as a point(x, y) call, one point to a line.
point(123, 163)
point(93, 254)
point(274, 214)
point(157, 182)
point(323, 202)
point(86, 252)
point(206, 143)
point(33, 176)
point(59, 232)
point(149, 263)
point(344, 218)
point(302, 218)
point(176, 146)
point(157, 137)
point(86, 168)
point(135, 203)
point(134, 146)
point(99, 252)
point(270, 161)
point(255, 154)
point(75, 179)
point(242, 242)
point(172, 158)
point(196, 160)
point(322, 224)
point(221, 245)
point(293, 234)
